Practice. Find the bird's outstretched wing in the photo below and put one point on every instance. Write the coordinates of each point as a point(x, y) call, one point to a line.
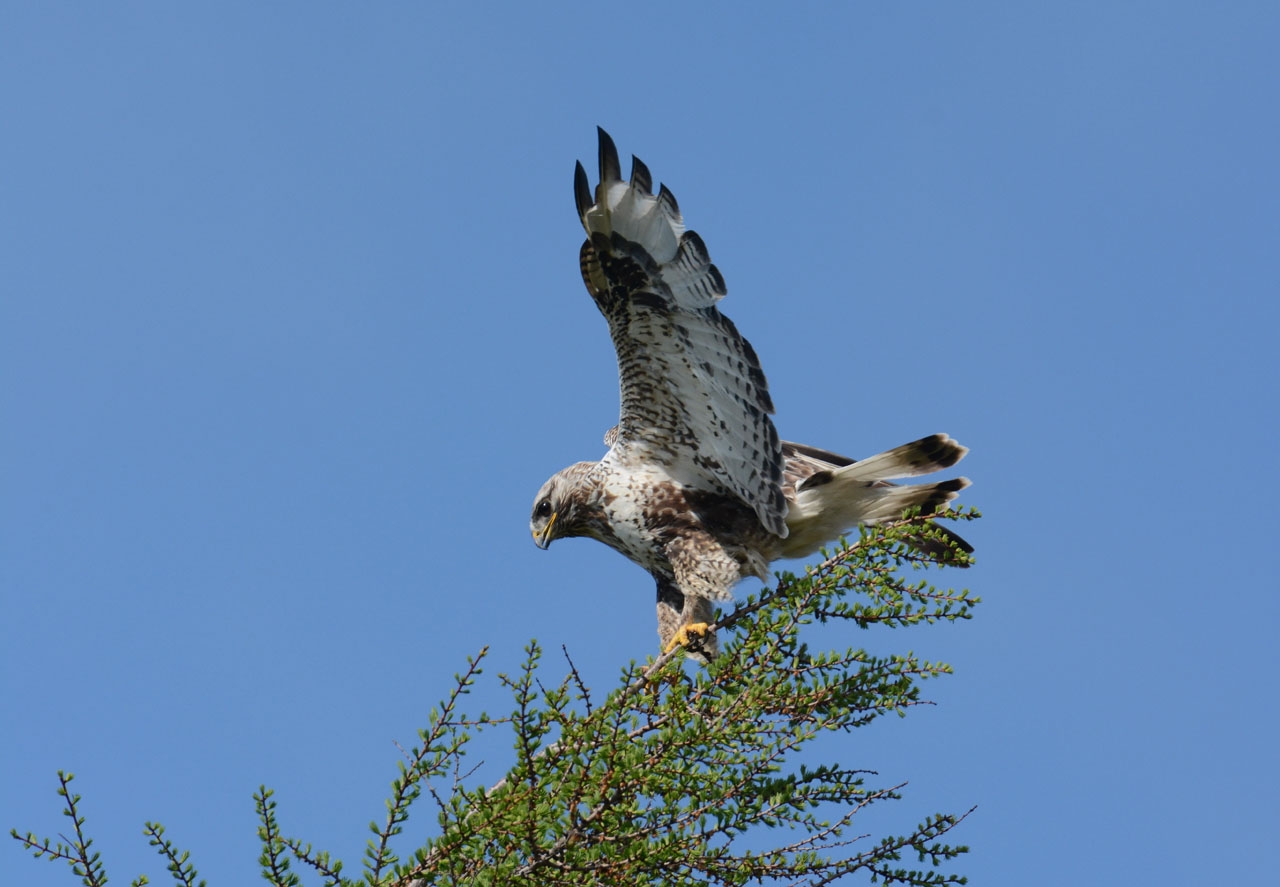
point(694, 398)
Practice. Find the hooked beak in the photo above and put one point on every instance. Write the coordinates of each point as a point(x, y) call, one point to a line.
point(543, 539)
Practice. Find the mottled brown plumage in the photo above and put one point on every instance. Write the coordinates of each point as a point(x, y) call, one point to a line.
point(696, 486)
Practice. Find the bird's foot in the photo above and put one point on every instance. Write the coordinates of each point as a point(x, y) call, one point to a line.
point(681, 637)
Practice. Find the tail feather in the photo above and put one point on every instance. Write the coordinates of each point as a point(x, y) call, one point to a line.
point(923, 456)
point(833, 500)
point(943, 546)
point(885, 502)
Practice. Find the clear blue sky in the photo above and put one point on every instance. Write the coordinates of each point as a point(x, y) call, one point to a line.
point(291, 330)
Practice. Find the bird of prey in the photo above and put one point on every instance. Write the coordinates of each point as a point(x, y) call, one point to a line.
point(696, 487)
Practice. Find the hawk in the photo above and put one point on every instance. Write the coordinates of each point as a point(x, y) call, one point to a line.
point(696, 487)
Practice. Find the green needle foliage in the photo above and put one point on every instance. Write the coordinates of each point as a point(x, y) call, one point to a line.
point(658, 781)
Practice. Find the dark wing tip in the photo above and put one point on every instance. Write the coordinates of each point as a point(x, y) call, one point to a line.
point(641, 180)
point(669, 200)
point(691, 243)
point(610, 168)
point(581, 190)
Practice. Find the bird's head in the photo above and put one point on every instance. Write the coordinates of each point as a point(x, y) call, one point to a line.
point(558, 508)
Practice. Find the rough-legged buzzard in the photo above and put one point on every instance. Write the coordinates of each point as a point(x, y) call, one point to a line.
point(696, 486)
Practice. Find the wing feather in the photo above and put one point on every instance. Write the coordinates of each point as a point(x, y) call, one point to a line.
point(694, 398)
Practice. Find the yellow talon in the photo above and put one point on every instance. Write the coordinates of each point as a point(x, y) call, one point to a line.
point(681, 637)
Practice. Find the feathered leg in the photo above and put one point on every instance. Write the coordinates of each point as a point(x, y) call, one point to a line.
point(684, 620)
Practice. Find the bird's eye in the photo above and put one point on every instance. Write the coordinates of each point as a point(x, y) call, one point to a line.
point(544, 508)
